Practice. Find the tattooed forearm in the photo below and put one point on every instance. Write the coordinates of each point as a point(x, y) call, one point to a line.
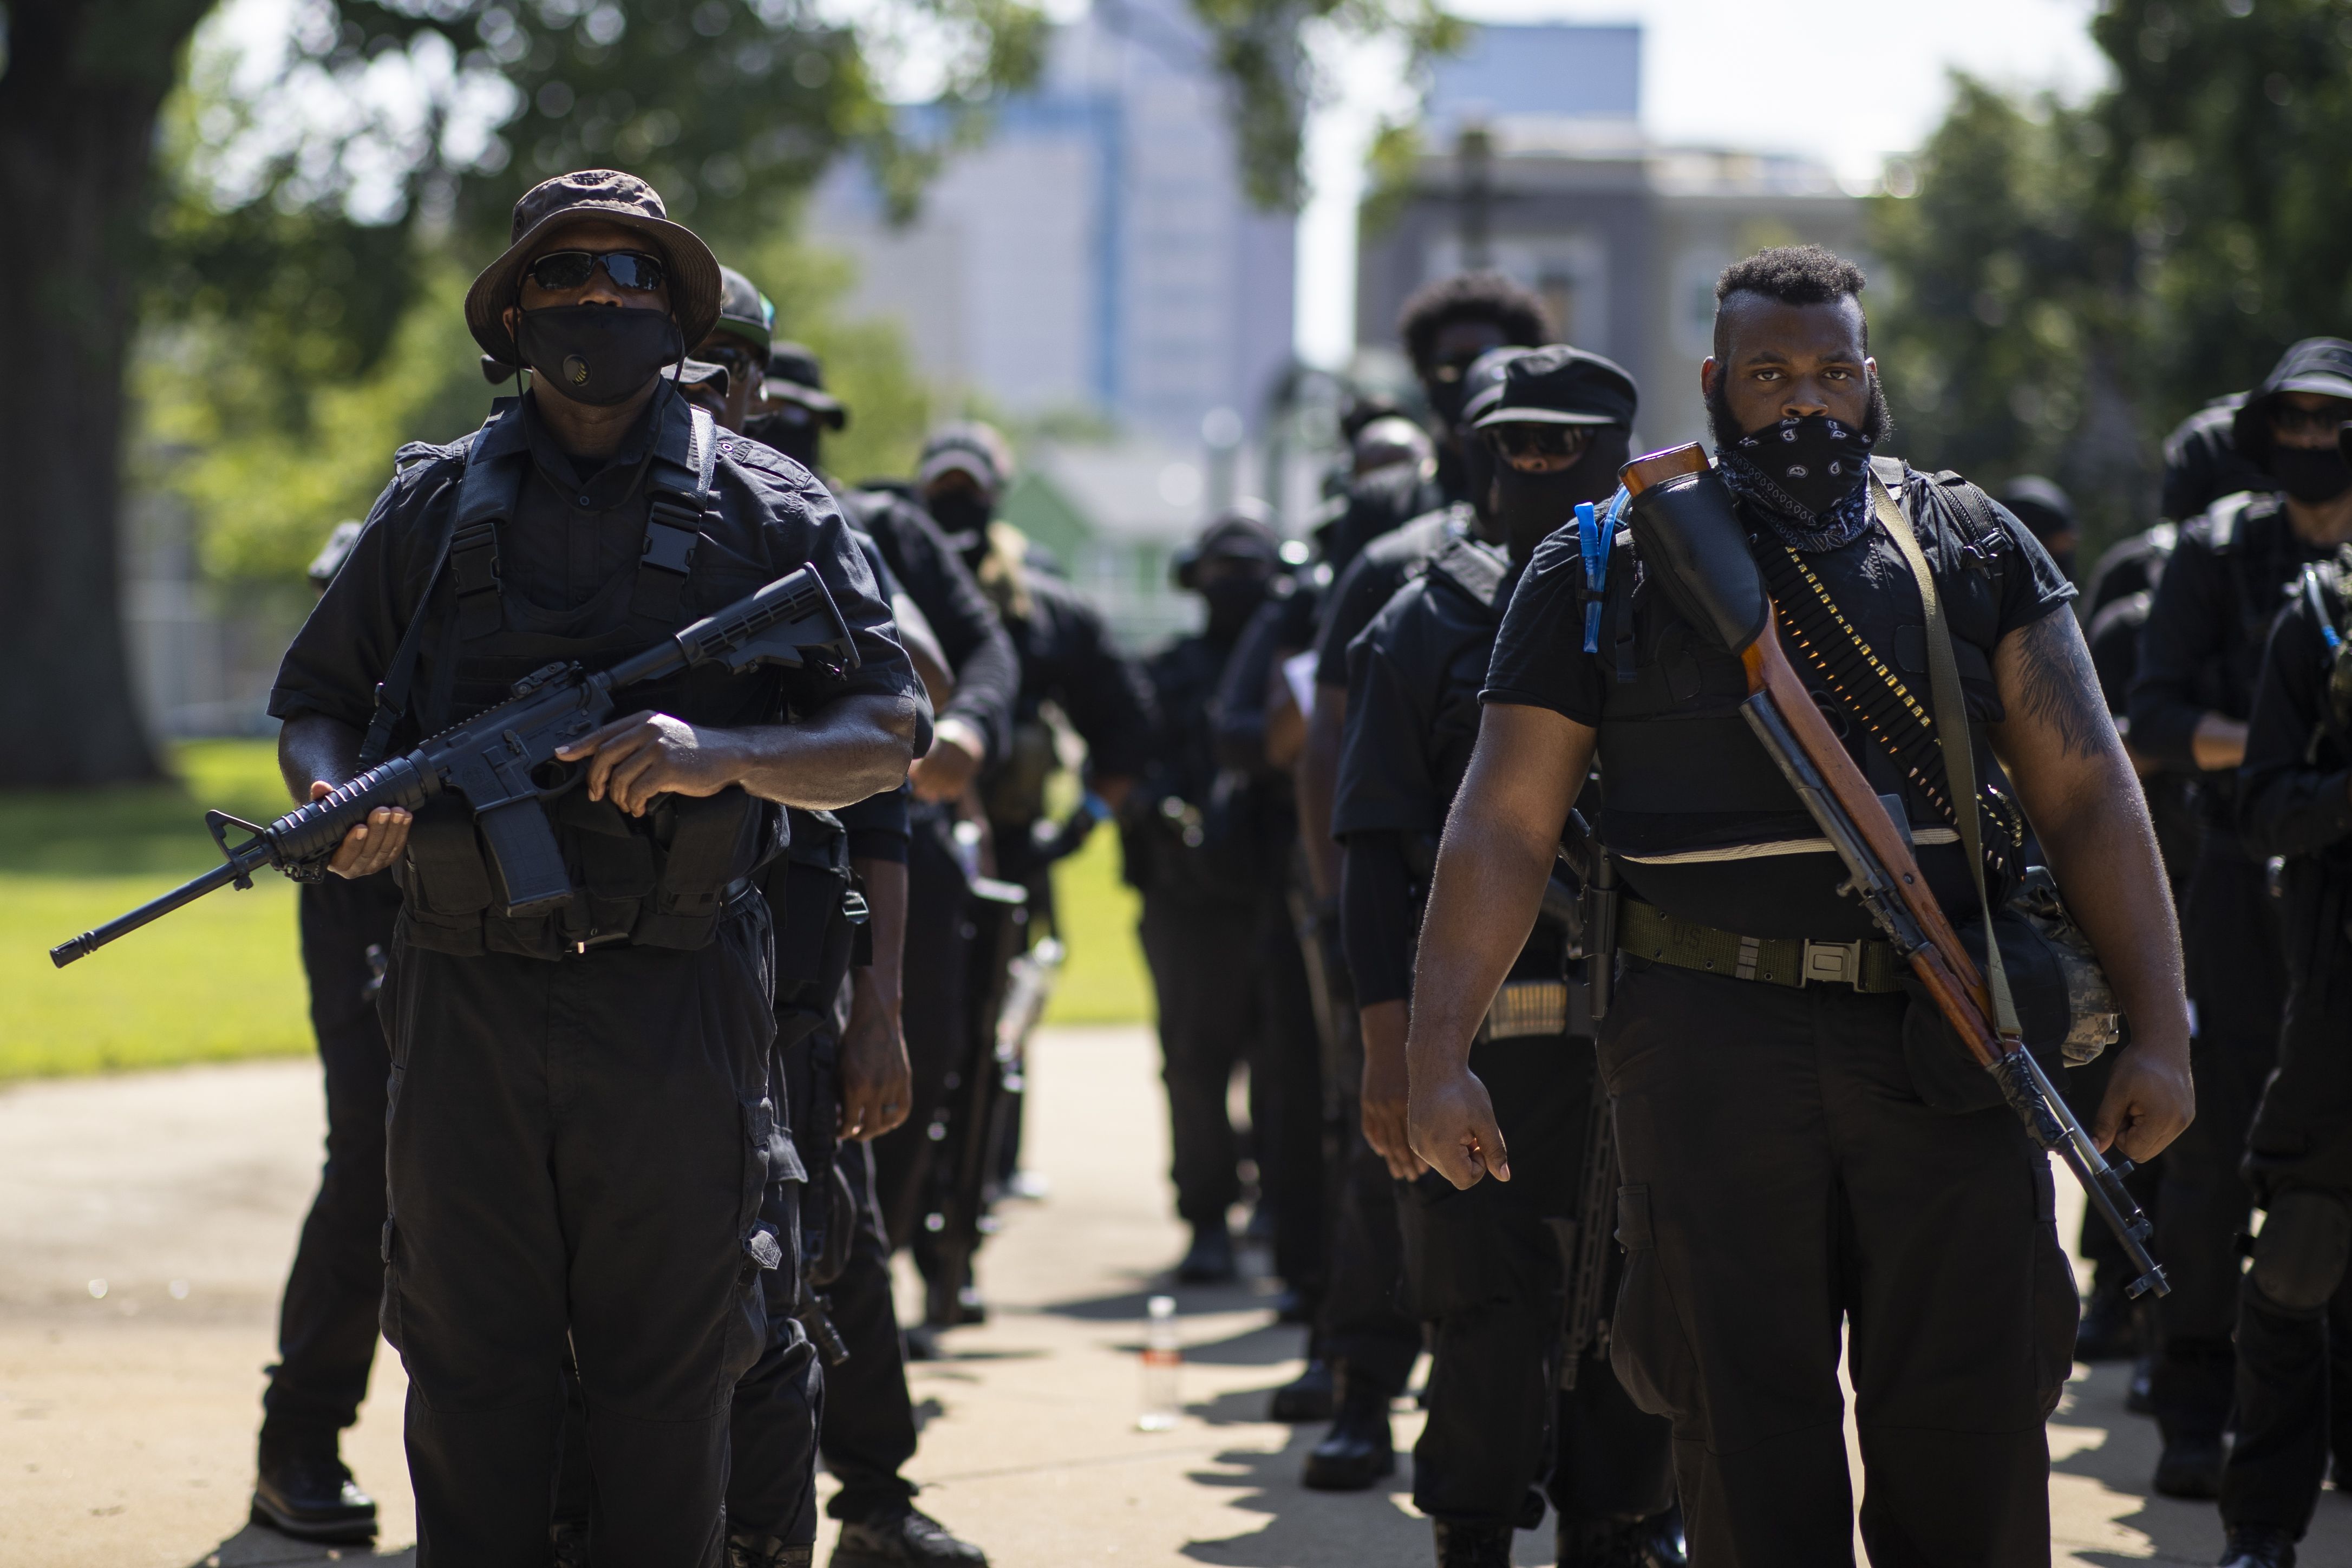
point(2046, 680)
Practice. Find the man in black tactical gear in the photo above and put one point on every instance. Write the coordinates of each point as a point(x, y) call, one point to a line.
point(2199, 653)
point(582, 1125)
point(1485, 1269)
point(848, 1069)
point(327, 1323)
point(1369, 1343)
point(1795, 1151)
point(2294, 1303)
point(1192, 850)
point(2049, 513)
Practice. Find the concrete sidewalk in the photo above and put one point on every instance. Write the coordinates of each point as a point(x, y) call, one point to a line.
point(127, 1417)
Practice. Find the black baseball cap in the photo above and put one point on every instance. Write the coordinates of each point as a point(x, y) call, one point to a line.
point(743, 310)
point(1555, 385)
point(797, 375)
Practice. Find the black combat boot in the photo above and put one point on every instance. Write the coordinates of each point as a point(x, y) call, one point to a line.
point(1653, 1542)
point(1472, 1545)
point(766, 1552)
point(1306, 1397)
point(2257, 1546)
point(1210, 1259)
point(1358, 1451)
point(899, 1535)
point(304, 1490)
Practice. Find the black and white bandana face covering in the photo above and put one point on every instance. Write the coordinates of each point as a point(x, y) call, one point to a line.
point(1808, 475)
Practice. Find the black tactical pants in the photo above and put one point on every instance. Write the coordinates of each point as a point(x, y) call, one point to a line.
point(1782, 1178)
point(1488, 1271)
point(327, 1322)
point(1361, 1324)
point(1205, 959)
point(936, 1018)
point(867, 1429)
point(779, 1405)
point(2237, 979)
point(1288, 1104)
point(870, 1417)
point(2294, 1376)
point(578, 1149)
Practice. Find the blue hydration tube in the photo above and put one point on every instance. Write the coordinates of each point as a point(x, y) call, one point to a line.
point(1593, 534)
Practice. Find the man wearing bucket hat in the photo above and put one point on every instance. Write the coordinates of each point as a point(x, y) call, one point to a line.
point(582, 1122)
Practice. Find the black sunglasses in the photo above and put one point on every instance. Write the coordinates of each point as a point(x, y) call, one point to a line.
point(2290, 420)
point(560, 270)
point(1518, 439)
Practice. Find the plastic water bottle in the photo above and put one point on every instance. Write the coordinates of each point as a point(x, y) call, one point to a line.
point(1163, 1356)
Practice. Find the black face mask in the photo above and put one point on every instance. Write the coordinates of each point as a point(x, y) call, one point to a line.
point(795, 435)
point(2310, 474)
point(1528, 508)
point(1232, 601)
point(961, 511)
point(599, 354)
point(1815, 461)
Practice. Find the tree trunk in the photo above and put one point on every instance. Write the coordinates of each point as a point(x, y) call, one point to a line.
point(79, 92)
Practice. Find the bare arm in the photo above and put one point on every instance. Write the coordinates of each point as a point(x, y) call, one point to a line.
point(1500, 841)
point(2077, 785)
point(315, 754)
point(877, 1083)
point(851, 748)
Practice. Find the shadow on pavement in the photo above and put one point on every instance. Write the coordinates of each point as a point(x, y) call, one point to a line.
point(1304, 1529)
point(256, 1546)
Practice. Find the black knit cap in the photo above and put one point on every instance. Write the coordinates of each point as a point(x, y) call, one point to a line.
point(594, 195)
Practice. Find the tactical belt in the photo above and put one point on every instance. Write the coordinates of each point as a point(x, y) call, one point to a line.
point(1869, 965)
point(1524, 1008)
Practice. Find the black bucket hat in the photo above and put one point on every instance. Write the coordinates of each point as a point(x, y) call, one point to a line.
point(594, 195)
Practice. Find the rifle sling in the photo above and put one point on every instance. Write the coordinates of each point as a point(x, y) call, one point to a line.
point(1951, 720)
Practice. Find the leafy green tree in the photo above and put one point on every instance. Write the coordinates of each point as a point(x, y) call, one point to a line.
point(2009, 322)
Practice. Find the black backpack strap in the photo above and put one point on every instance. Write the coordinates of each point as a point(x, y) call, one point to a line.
point(471, 529)
point(679, 485)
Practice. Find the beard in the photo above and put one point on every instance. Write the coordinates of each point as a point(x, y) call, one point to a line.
point(1877, 418)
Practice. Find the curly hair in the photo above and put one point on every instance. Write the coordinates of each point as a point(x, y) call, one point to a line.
point(1792, 274)
point(1472, 297)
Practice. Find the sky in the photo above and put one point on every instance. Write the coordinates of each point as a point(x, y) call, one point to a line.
point(1848, 85)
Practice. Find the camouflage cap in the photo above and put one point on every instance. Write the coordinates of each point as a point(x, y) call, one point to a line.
point(594, 195)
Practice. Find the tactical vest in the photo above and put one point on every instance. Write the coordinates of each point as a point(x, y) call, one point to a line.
point(660, 881)
point(1699, 817)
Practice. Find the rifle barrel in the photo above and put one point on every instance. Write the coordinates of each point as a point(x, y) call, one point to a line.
point(90, 942)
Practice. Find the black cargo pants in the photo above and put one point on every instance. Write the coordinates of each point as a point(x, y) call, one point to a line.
point(1782, 1178)
point(937, 1019)
point(580, 1149)
point(1485, 1268)
point(327, 1322)
point(2237, 978)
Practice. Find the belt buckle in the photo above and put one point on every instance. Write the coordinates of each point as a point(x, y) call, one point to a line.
point(1832, 963)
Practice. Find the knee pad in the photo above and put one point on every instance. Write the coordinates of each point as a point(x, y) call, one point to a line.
point(2300, 1255)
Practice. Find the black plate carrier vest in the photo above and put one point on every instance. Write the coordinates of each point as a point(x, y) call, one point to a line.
point(659, 880)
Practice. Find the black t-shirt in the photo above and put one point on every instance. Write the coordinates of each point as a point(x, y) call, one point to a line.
point(767, 515)
point(1067, 658)
point(1699, 817)
point(1372, 579)
point(987, 671)
point(1415, 675)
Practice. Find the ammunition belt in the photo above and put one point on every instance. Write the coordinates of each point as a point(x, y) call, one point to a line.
point(1524, 1008)
point(1869, 965)
point(1868, 690)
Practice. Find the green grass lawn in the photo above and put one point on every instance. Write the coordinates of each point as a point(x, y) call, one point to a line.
point(221, 978)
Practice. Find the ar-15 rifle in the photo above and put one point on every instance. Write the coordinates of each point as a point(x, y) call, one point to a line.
point(503, 761)
point(1684, 522)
